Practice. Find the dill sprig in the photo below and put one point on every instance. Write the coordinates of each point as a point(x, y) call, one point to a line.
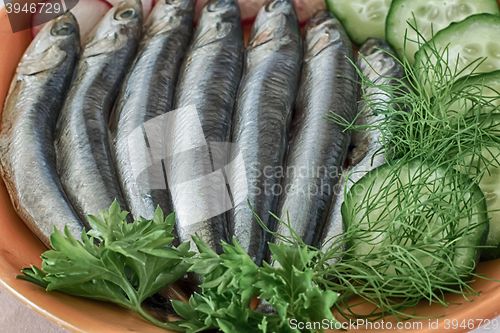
point(445, 121)
point(425, 117)
point(416, 244)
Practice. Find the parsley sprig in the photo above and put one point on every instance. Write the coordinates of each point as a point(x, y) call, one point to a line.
point(232, 280)
point(115, 261)
point(126, 263)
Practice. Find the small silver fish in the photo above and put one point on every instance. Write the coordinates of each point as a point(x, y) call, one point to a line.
point(29, 118)
point(262, 120)
point(147, 94)
point(318, 147)
point(379, 66)
point(84, 159)
point(208, 83)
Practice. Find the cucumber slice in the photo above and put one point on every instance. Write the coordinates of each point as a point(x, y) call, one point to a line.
point(489, 182)
point(408, 204)
point(472, 45)
point(490, 185)
point(487, 171)
point(429, 17)
point(485, 86)
point(362, 19)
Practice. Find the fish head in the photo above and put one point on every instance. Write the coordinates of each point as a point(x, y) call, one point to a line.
point(181, 4)
point(167, 9)
point(219, 19)
point(376, 58)
point(49, 47)
point(324, 30)
point(61, 30)
point(124, 19)
point(169, 13)
point(276, 20)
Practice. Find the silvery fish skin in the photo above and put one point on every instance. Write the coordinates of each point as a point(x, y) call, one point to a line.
point(84, 159)
point(148, 93)
point(208, 81)
point(318, 147)
point(35, 99)
point(378, 65)
point(262, 120)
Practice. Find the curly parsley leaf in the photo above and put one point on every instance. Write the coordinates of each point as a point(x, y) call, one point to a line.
point(232, 280)
point(288, 285)
point(119, 262)
point(127, 263)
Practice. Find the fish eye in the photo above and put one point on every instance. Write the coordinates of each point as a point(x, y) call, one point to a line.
point(275, 4)
point(125, 14)
point(64, 29)
point(171, 2)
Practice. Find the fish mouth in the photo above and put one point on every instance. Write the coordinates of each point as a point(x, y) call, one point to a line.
point(64, 25)
point(128, 10)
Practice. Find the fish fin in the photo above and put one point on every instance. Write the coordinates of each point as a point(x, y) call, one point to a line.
point(40, 62)
point(323, 42)
point(210, 36)
point(262, 38)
